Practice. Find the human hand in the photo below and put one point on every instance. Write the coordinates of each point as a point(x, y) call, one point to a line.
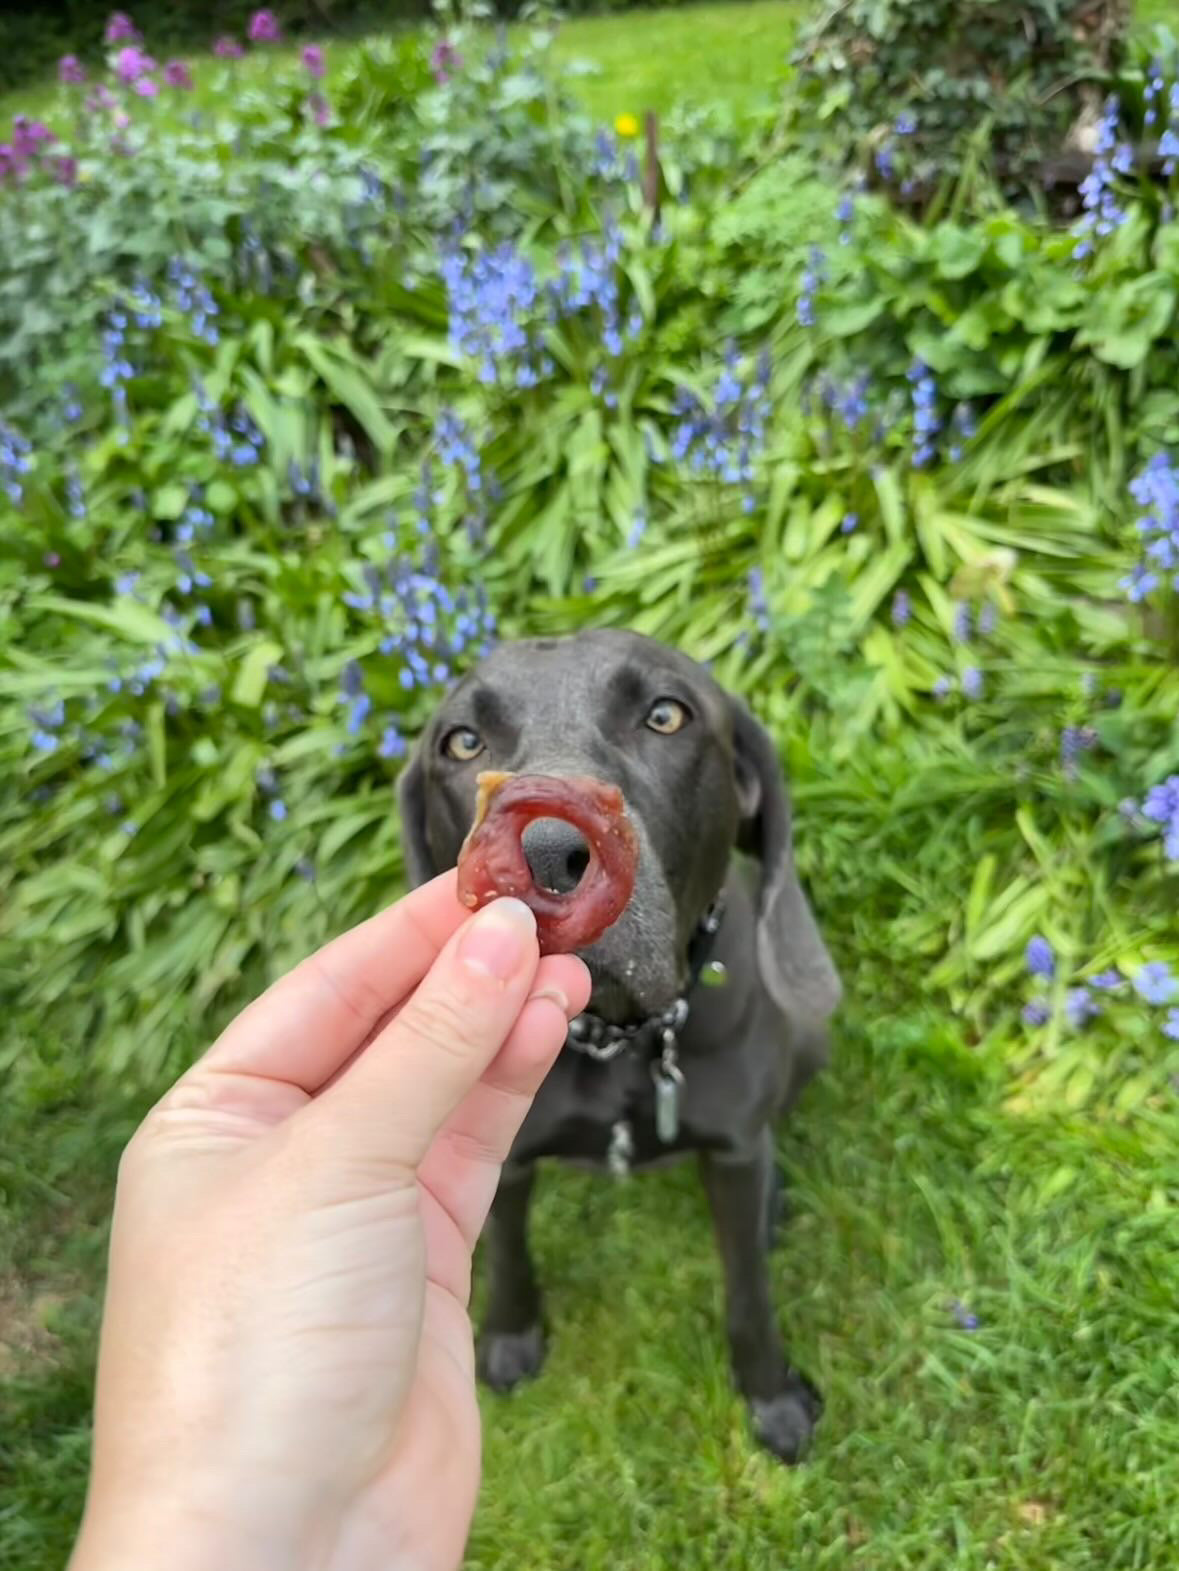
point(286, 1373)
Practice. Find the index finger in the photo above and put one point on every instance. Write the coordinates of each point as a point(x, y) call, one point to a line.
point(306, 1026)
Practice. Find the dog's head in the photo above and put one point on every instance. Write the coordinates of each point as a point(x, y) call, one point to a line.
point(699, 777)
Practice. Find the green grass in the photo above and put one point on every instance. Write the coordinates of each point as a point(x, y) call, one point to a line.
point(1045, 1439)
point(686, 57)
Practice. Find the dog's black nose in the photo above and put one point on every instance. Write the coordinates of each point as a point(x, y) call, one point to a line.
point(556, 853)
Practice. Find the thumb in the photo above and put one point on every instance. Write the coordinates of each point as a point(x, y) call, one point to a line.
point(391, 1102)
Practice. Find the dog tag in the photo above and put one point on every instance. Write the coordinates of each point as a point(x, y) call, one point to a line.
point(622, 1149)
point(669, 1084)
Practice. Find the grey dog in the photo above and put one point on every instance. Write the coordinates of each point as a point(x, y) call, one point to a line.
point(663, 1064)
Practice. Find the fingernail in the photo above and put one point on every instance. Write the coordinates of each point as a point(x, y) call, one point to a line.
point(498, 940)
point(554, 996)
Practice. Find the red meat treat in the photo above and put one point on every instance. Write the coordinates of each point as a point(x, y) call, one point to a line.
point(492, 862)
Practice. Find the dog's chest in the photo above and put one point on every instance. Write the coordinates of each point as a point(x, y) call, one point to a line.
point(621, 1115)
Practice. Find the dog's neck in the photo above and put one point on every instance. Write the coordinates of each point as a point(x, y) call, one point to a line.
point(603, 1040)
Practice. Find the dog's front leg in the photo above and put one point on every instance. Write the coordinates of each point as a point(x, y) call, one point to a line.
point(784, 1404)
point(511, 1344)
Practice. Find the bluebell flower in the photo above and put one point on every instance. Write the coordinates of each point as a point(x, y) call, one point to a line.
point(988, 618)
point(1156, 490)
point(758, 605)
point(392, 743)
point(1037, 1013)
point(906, 123)
point(902, 608)
point(1171, 1025)
point(1162, 807)
point(1080, 1007)
point(638, 529)
point(965, 1317)
point(926, 423)
point(963, 624)
point(1107, 981)
point(1102, 214)
point(849, 523)
point(1154, 983)
point(942, 687)
point(1040, 957)
point(972, 683)
point(277, 809)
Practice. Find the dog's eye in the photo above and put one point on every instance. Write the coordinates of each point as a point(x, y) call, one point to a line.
point(667, 716)
point(462, 744)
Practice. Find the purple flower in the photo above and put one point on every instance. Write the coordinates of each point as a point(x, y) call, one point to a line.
point(972, 682)
point(319, 109)
point(1041, 960)
point(65, 170)
point(965, 1317)
point(941, 688)
point(902, 608)
point(133, 63)
point(1171, 1025)
point(264, 28)
point(963, 622)
point(147, 87)
point(1154, 982)
point(445, 61)
point(120, 29)
point(313, 61)
point(906, 123)
point(850, 521)
point(177, 74)
point(227, 48)
point(1036, 1013)
point(278, 809)
point(70, 71)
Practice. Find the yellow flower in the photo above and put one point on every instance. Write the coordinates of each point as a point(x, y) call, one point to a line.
point(626, 125)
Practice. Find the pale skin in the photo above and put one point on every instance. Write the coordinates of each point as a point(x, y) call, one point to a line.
point(286, 1372)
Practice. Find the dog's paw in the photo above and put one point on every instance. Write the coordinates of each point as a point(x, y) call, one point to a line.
point(785, 1423)
point(507, 1357)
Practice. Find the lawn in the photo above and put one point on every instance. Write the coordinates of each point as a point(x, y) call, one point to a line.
point(1044, 1439)
point(981, 1274)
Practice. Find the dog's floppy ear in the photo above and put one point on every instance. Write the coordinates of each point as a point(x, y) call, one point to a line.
point(791, 955)
point(411, 800)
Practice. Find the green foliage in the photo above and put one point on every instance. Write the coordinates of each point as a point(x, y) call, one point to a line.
point(908, 82)
point(311, 408)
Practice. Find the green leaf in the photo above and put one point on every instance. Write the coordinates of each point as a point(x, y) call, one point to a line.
point(249, 683)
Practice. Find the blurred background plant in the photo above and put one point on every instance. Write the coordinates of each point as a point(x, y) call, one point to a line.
point(313, 390)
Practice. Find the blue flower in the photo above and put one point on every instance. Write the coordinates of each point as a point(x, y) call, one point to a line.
point(758, 606)
point(1102, 214)
point(1171, 1025)
point(1080, 1007)
point(1041, 960)
point(1036, 1013)
point(902, 608)
point(963, 622)
point(1107, 981)
point(965, 1317)
point(972, 682)
point(392, 743)
point(277, 809)
point(849, 523)
point(1154, 982)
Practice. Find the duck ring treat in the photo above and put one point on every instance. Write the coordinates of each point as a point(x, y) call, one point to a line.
point(493, 862)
